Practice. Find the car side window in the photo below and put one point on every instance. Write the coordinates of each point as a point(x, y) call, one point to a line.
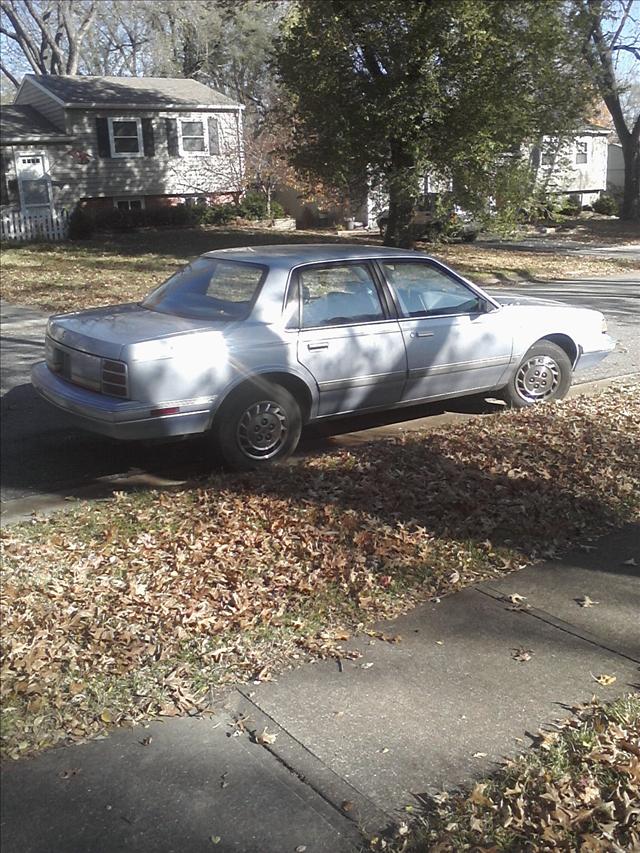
point(338, 294)
point(423, 290)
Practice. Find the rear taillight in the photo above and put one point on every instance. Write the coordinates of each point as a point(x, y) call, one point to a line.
point(114, 378)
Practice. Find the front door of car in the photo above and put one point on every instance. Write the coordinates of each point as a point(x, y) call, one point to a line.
point(347, 338)
point(456, 341)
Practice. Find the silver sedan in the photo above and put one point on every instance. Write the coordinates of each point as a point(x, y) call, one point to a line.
point(248, 345)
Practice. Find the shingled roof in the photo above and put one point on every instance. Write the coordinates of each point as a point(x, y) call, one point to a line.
point(25, 124)
point(145, 92)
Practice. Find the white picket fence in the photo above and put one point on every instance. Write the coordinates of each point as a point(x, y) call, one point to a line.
point(19, 227)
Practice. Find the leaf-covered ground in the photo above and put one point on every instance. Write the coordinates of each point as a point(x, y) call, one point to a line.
point(508, 264)
point(578, 790)
point(121, 268)
point(139, 605)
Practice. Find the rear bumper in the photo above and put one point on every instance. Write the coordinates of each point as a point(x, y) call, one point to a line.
point(122, 419)
point(590, 357)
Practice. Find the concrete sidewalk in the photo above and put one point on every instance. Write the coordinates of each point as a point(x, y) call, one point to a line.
point(356, 741)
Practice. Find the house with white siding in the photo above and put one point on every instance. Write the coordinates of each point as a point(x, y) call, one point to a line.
point(575, 166)
point(121, 142)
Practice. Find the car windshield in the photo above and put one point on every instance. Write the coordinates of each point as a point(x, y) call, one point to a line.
point(209, 289)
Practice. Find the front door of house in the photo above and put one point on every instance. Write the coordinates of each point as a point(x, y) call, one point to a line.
point(34, 182)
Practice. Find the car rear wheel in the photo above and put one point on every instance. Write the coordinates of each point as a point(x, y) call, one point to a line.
point(544, 374)
point(258, 425)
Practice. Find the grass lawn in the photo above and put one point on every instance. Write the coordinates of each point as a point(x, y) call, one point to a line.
point(579, 789)
point(119, 610)
point(63, 277)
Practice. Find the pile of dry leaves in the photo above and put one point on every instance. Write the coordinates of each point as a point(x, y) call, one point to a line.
point(120, 610)
point(578, 790)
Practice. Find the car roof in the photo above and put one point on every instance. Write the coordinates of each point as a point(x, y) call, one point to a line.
point(289, 255)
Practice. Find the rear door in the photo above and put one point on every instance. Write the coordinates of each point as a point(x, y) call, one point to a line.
point(456, 342)
point(347, 337)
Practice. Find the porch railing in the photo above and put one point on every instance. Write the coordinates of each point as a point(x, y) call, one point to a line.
point(19, 227)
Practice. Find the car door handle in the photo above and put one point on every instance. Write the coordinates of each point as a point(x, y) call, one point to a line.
point(421, 334)
point(318, 345)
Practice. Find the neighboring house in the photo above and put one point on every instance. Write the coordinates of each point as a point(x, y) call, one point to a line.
point(615, 170)
point(576, 167)
point(126, 142)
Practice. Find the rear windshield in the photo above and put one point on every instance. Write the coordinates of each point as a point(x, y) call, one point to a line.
point(209, 289)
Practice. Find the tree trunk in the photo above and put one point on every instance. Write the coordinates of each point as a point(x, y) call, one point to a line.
point(403, 192)
point(631, 199)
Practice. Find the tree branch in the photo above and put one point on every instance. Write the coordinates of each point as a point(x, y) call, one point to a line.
point(635, 51)
point(46, 35)
point(625, 15)
point(9, 75)
point(8, 33)
point(76, 37)
point(24, 38)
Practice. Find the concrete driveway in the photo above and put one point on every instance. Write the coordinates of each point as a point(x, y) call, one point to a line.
point(45, 458)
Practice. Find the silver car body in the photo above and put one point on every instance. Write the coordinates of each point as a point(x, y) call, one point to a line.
point(178, 371)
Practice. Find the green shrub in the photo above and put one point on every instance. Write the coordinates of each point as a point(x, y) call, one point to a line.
point(277, 210)
point(606, 205)
point(175, 216)
point(81, 225)
point(541, 207)
point(570, 206)
point(217, 214)
point(254, 206)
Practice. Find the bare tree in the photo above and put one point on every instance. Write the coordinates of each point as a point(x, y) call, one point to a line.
point(49, 35)
point(612, 30)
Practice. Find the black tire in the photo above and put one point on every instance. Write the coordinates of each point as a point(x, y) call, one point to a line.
point(544, 374)
point(258, 425)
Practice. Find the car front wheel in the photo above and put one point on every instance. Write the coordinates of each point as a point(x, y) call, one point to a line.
point(258, 425)
point(544, 374)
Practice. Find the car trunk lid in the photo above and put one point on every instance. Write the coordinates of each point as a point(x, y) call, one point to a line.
point(105, 331)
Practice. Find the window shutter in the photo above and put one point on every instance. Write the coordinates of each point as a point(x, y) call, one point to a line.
point(172, 137)
point(148, 141)
point(214, 139)
point(535, 157)
point(102, 129)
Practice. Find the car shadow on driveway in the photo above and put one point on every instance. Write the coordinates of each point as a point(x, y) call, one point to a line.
point(44, 452)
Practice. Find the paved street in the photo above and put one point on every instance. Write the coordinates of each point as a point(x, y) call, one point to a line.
point(545, 244)
point(43, 454)
point(619, 301)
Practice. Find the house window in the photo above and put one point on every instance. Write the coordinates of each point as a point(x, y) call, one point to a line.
point(193, 137)
point(581, 152)
point(34, 181)
point(129, 203)
point(125, 137)
point(35, 193)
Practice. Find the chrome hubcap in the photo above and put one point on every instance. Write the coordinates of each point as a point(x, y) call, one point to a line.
point(537, 378)
point(262, 429)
